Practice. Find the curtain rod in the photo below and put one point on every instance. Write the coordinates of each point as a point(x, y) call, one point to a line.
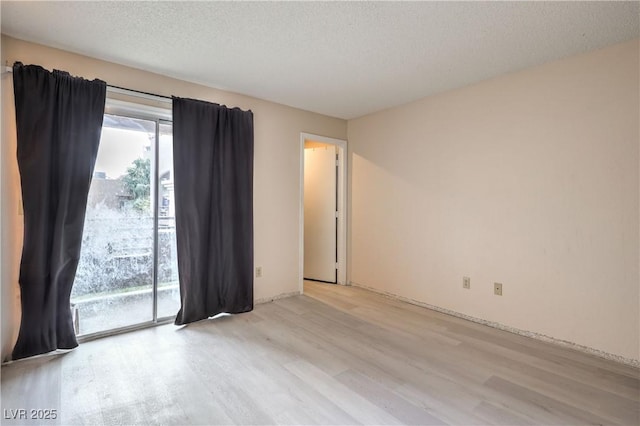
point(139, 93)
point(123, 91)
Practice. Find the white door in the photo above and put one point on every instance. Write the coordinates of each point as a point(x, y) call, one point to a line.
point(320, 223)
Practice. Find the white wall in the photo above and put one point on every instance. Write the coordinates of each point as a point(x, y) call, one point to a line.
point(277, 131)
point(530, 179)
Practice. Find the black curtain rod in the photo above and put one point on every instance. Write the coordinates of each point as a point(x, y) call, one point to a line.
point(139, 92)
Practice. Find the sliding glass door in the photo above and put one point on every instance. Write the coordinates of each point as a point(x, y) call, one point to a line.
point(127, 273)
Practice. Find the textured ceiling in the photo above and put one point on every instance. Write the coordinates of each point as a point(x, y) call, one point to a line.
point(340, 59)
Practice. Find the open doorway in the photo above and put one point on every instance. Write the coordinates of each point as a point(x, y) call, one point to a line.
point(320, 212)
point(322, 209)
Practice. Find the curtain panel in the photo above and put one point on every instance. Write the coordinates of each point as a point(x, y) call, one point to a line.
point(59, 121)
point(213, 182)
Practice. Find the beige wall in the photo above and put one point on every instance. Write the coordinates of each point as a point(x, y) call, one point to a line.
point(276, 175)
point(529, 179)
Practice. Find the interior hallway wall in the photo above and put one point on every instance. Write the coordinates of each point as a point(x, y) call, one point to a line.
point(529, 179)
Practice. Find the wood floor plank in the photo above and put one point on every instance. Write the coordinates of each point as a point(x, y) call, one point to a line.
point(499, 416)
point(350, 401)
point(609, 405)
point(387, 399)
point(564, 412)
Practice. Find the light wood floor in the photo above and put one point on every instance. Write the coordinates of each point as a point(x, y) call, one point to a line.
point(338, 355)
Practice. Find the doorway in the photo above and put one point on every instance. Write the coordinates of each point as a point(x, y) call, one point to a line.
point(320, 212)
point(322, 209)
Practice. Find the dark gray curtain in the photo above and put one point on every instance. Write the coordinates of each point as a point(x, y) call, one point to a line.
point(59, 120)
point(213, 167)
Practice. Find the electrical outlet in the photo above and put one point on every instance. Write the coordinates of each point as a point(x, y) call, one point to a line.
point(258, 271)
point(466, 282)
point(497, 289)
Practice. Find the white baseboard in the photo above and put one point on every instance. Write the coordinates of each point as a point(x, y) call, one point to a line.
point(564, 343)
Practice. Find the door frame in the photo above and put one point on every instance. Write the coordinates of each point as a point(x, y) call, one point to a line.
point(341, 243)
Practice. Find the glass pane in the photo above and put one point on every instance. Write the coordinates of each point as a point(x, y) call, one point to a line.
point(168, 290)
point(113, 285)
